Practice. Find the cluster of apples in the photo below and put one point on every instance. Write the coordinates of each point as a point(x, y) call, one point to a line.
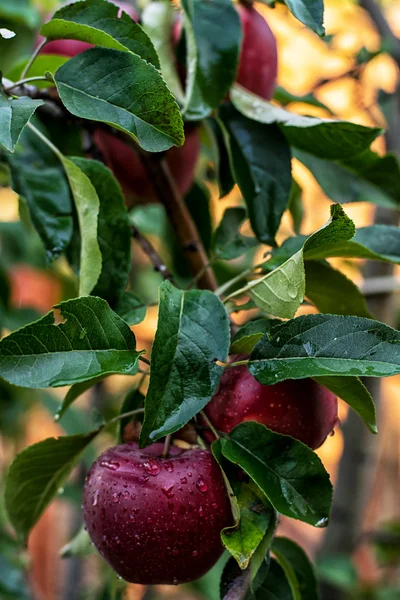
point(157, 520)
point(257, 72)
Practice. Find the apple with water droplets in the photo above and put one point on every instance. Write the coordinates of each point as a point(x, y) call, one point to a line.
point(157, 520)
point(301, 408)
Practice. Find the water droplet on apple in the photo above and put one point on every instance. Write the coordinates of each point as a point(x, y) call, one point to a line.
point(322, 522)
point(149, 520)
point(183, 480)
point(201, 512)
point(126, 495)
point(116, 497)
point(215, 506)
point(195, 553)
point(175, 552)
point(201, 485)
point(95, 497)
point(169, 466)
point(110, 464)
point(168, 491)
point(190, 474)
point(132, 518)
point(152, 467)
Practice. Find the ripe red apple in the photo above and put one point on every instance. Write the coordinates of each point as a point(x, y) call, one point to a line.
point(301, 408)
point(73, 47)
point(128, 169)
point(258, 64)
point(156, 520)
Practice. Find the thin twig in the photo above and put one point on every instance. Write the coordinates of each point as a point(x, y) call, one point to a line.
point(145, 360)
point(167, 445)
point(153, 255)
point(22, 82)
point(32, 59)
point(210, 425)
point(131, 413)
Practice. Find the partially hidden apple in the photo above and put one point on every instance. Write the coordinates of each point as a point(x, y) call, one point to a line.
point(301, 408)
point(157, 520)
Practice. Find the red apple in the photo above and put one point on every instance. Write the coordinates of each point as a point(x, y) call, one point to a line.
point(156, 520)
point(301, 408)
point(73, 47)
point(258, 64)
point(128, 169)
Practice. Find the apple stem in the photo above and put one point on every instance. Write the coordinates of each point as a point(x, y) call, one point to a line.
point(154, 257)
point(167, 445)
point(131, 413)
point(210, 425)
point(33, 58)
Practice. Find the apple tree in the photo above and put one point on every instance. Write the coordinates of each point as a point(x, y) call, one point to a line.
point(118, 112)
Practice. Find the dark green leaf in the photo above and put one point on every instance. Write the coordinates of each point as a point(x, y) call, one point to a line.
point(342, 184)
point(298, 568)
point(192, 333)
point(248, 335)
point(282, 290)
point(354, 392)
point(131, 308)
point(319, 345)
point(288, 472)
point(96, 22)
point(338, 570)
point(285, 97)
point(213, 34)
point(14, 115)
point(198, 202)
point(92, 341)
point(332, 292)
point(275, 585)
point(295, 207)
point(382, 172)
point(20, 11)
point(261, 161)
point(80, 545)
point(73, 393)
point(229, 243)
point(223, 168)
point(323, 137)
point(36, 475)
point(93, 85)
point(114, 231)
point(309, 12)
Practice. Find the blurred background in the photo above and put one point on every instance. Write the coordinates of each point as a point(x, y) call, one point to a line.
point(358, 556)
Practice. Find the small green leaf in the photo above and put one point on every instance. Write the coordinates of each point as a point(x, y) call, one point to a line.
point(309, 12)
point(261, 161)
point(248, 335)
point(323, 137)
point(192, 334)
point(73, 393)
point(213, 36)
point(114, 231)
point(275, 586)
point(92, 341)
point(220, 141)
point(42, 64)
point(80, 545)
point(297, 567)
point(332, 292)
point(295, 206)
point(288, 472)
point(87, 206)
point(14, 115)
point(92, 85)
point(97, 22)
point(354, 392)
point(326, 345)
point(131, 308)
point(281, 291)
point(36, 475)
point(229, 243)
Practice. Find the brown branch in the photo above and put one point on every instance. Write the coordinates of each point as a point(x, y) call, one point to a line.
point(180, 218)
point(150, 251)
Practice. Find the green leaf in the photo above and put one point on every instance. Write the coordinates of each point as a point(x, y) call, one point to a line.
point(20, 11)
point(342, 184)
point(382, 172)
point(228, 242)
point(261, 161)
point(297, 567)
point(73, 393)
point(295, 206)
point(274, 587)
point(220, 140)
point(309, 12)
point(36, 475)
point(197, 200)
point(319, 345)
point(97, 22)
point(323, 137)
point(213, 35)
point(14, 115)
point(192, 333)
point(354, 392)
point(288, 472)
point(39, 178)
point(42, 64)
point(91, 341)
point(332, 292)
point(131, 308)
point(248, 335)
point(158, 21)
point(80, 545)
point(114, 231)
point(339, 571)
point(285, 97)
point(87, 206)
point(93, 84)
point(281, 291)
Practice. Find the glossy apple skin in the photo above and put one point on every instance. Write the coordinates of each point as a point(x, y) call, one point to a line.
point(156, 520)
point(301, 408)
point(128, 169)
point(258, 64)
point(73, 47)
